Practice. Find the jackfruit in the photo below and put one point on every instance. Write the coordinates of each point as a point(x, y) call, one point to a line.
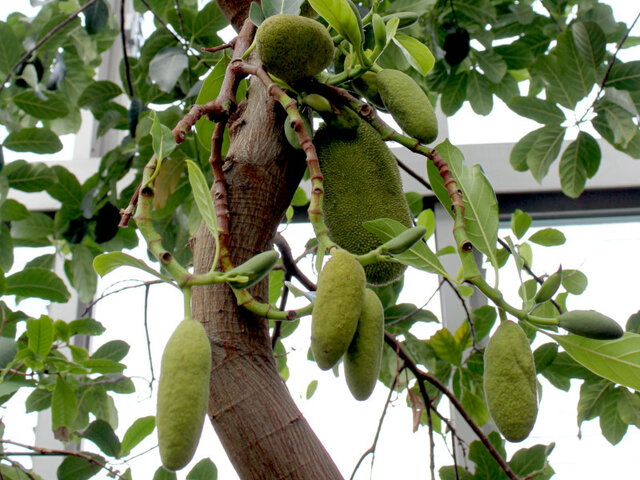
point(407, 104)
point(367, 86)
point(361, 183)
point(337, 308)
point(183, 393)
point(293, 47)
point(364, 355)
point(510, 382)
point(590, 324)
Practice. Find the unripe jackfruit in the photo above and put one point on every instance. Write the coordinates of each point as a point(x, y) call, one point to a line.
point(183, 393)
point(590, 324)
point(337, 308)
point(407, 104)
point(361, 183)
point(367, 86)
point(363, 358)
point(510, 382)
point(293, 47)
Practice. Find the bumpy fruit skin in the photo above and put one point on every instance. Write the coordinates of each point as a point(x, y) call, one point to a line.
point(510, 382)
point(361, 182)
point(363, 357)
point(183, 393)
point(590, 324)
point(293, 47)
point(337, 308)
point(407, 104)
point(367, 86)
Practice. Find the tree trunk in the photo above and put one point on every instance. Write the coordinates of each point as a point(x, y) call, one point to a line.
point(259, 425)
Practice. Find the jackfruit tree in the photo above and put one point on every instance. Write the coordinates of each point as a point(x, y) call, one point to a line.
point(211, 145)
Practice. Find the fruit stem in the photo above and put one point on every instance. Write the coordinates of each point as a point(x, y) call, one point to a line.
point(186, 291)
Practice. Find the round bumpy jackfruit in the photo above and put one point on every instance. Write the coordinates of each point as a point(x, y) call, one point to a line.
point(407, 104)
point(293, 47)
point(510, 382)
point(363, 357)
point(361, 183)
point(183, 393)
point(337, 308)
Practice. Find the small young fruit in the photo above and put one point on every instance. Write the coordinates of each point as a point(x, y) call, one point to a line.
point(256, 268)
point(510, 382)
point(367, 86)
point(590, 324)
point(292, 135)
point(337, 308)
point(364, 355)
point(183, 393)
point(405, 240)
point(408, 104)
point(549, 287)
point(293, 47)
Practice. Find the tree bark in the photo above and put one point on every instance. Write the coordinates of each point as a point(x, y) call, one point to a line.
point(259, 425)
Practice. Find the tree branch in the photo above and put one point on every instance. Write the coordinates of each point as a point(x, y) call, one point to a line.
point(127, 66)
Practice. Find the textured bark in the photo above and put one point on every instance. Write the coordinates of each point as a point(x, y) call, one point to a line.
point(259, 425)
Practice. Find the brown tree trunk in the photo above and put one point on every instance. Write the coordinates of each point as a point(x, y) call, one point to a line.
point(259, 425)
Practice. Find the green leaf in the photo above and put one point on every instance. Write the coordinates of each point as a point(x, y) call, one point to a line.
point(101, 433)
point(107, 262)
point(300, 198)
point(63, 404)
point(163, 140)
point(311, 388)
point(205, 469)
point(516, 55)
point(44, 109)
point(545, 150)
point(12, 210)
point(416, 53)
point(96, 17)
point(519, 152)
point(616, 360)
point(544, 355)
point(163, 474)
point(480, 203)
point(37, 282)
point(486, 466)
point(38, 400)
point(611, 424)
point(86, 326)
point(98, 93)
point(114, 350)
point(446, 347)
point(529, 461)
point(620, 122)
point(77, 468)
point(578, 161)
point(83, 276)
point(208, 22)
point(492, 64)
point(475, 406)
point(548, 237)
point(520, 223)
point(8, 350)
point(340, 15)
point(28, 176)
point(140, 429)
point(574, 281)
point(479, 93)
point(10, 49)
point(40, 333)
point(625, 76)
point(483, 319)
point(166, 67)
point(542, 111)
point(578, 76)
point(419, 256)
point(557, 89)
point(454, 94)
point(36, 140)
point(592, 395)
point(202, 196)
point(590, 42)
point(103, 366)
point(209, 91)
point(629, 407)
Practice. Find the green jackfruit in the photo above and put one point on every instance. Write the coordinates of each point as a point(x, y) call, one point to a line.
point(510, 382)
point(363, 358)
point(407, 104)
point(590, 324)
point(293, 47)
point(361, 183)
point(337, 308)
point(183, 393)
point(367, 86)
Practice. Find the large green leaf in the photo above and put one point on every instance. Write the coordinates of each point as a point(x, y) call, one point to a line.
point(202, 197)
point(419, 256)
point(64, 405)
point(167, 66)
point(577, 163)
point(617, 360)
point(98, 93)
point(40, 332)
point(140, 429)
point(341, 17)
point(519, 152)
point(557, 90)
point(28, 176)
point(578, 76)
point(102, 434)
point(416, 52)
point(115, 350)
point(205, 469)
point(542, 111)
point(625, 76)
point(10, 49)
point(454, 93)
point(480, 203)
point(77, 468)
point(479, 93)
point(36, 140)
point(42, 108)
point(590, 42)
point(492, 64)
point(545, 150)
point(37, 282)
point(107, 262)
point(209, 91)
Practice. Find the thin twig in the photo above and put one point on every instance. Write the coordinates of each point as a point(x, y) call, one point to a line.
point(454, 454)
point(472, 329)
point(146, 331)
point(48, 36)
point(128, 287)
point(432, 445)
point(412, 313)
point(127, 66)
point(290, 264)
point(413, 174)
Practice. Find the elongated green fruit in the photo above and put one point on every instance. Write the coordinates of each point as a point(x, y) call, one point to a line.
point(337, 308)
point(407, 104)
point(549, 287)
point(183, 393)
point(510, 382)
point(367, 86)
point(256, 268)
point(361, 182)
point(293, 47)
point(590, 324)
point(364, 355)
point(405, 240)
